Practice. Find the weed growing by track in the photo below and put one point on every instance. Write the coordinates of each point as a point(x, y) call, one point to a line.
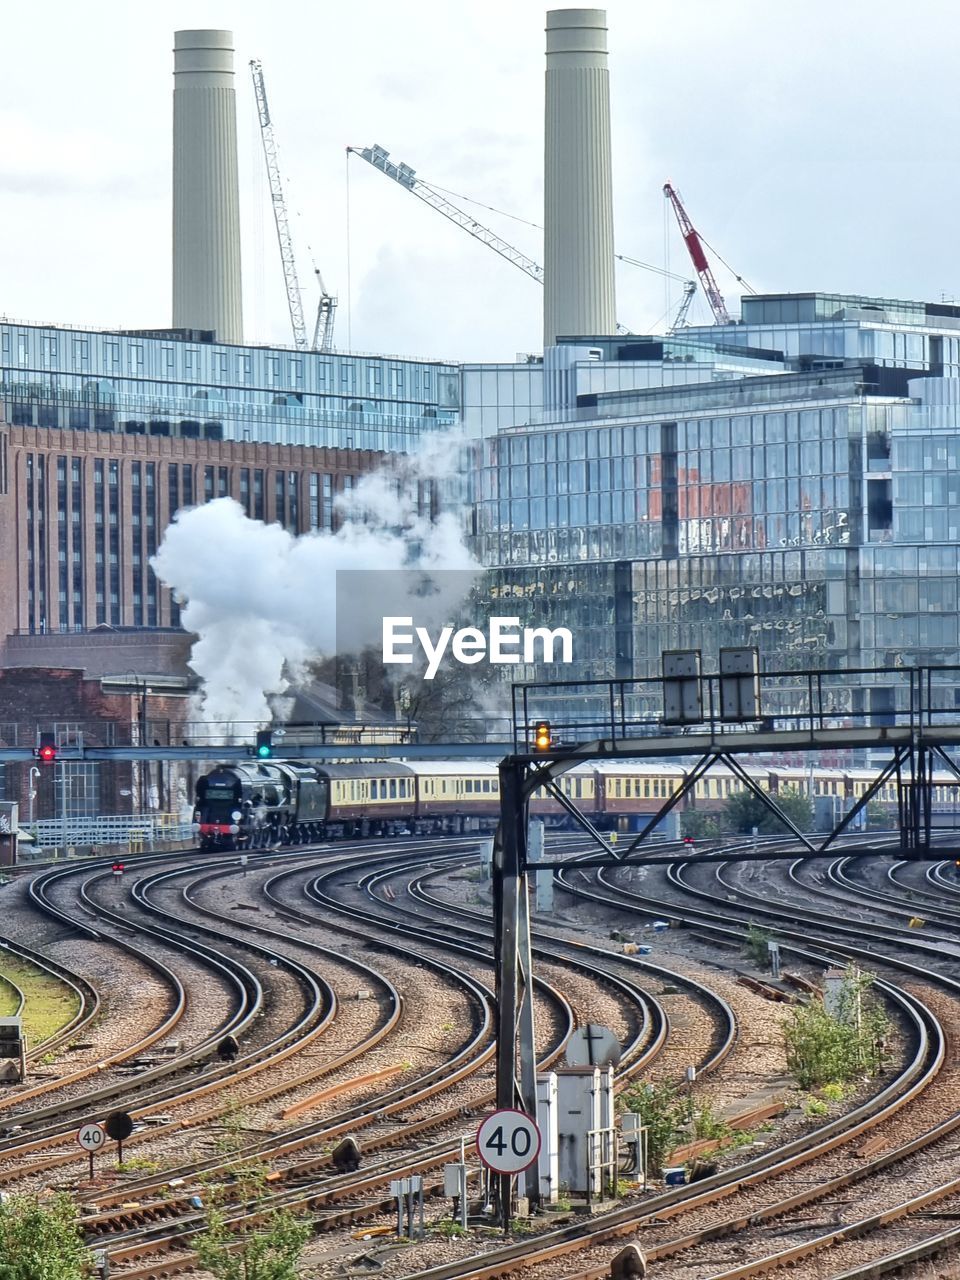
point(230, 1251)
point(833, 1047)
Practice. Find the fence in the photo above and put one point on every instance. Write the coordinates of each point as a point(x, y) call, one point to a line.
point(143, 829)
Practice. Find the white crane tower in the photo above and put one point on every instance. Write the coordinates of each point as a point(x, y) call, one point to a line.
point(323, 327)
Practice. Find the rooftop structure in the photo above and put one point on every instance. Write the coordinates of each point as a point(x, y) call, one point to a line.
point(185, 383)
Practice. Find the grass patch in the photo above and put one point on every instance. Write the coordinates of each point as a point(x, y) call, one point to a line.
point(48, 1003)
point(9, 998)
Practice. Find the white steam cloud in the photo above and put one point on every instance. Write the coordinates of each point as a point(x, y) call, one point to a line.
point(261, 600)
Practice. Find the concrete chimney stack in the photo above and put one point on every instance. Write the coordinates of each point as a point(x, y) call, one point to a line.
point(578, 295)
point(206, 198)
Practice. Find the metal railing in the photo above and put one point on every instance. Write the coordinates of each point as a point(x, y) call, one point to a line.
point(130, 829)
point(921, 699)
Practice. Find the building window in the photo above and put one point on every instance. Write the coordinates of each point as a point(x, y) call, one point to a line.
point(326, 516)
point(292, 504)
point(314, 501)
point(280, 514)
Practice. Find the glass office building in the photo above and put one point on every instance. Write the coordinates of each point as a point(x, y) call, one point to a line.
point(182, 383)
point(807, 502)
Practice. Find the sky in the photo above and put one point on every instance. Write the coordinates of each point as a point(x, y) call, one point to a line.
point(815, 144)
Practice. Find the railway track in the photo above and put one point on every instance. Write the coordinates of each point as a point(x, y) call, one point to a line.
point(148, 1232)
point(133, 1233)
point(893, 1159)
point(317, 1200)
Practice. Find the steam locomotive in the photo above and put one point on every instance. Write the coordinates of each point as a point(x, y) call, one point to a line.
point(258, 805)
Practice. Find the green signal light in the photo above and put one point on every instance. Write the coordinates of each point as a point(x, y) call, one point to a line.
point(264, 751)
point(264, 747)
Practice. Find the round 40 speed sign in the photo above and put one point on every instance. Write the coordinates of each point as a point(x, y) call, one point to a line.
point(91, 1136)
point(508, 1141)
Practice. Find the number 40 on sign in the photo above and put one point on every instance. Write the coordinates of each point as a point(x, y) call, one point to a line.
point(508, 1141)
point(91, 1136)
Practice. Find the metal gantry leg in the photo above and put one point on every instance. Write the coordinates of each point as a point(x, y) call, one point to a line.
point(528, 1060)
point(509, 882)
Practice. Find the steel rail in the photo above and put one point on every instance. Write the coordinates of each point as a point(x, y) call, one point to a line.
point(927, 1060)
point(388, 1171)
point(474, 1271)
point(470, 1057)
point(727, 1033)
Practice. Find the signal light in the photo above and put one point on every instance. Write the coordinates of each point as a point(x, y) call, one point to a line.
point(542, 737)
point(264, 747)
point(118, 868)
point(47, 750)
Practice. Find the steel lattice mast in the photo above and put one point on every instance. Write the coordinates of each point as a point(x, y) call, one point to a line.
point(699, 258)
point(294, 299)
point(326, 308)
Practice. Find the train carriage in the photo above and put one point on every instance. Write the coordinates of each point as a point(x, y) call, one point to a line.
point(456, 797)
point(258, 804)
point(628, 792)
point(369, 798)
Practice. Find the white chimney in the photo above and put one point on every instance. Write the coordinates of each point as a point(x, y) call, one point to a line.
point(578, 295)
point(206, 198)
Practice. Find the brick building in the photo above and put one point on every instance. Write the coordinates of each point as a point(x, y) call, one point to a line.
point(84, 710)
point(82, 512)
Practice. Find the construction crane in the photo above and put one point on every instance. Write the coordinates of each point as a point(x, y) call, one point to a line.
point(326, 314)
point(323, 328)
point(402, 173)
point(699, 258)
point(379, 157)
point(689, 289)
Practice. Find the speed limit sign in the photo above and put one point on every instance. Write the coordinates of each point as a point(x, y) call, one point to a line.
point(91, 1136)
point(508, 1141)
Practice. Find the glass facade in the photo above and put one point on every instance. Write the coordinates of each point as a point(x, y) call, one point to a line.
point(809, 505)
point(170, 385)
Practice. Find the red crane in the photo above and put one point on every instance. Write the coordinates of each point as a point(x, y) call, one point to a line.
point(695, 247)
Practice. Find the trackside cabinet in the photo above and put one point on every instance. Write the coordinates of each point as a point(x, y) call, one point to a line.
point(13, 1051)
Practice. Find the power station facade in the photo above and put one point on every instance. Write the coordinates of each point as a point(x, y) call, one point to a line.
point(790, 479)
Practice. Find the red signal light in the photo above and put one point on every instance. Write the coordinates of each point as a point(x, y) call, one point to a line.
point(46, 750)
point(48, 753)
point(118, 868)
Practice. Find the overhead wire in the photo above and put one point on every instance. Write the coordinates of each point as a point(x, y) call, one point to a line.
point(739, 279)
point(433, 186)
